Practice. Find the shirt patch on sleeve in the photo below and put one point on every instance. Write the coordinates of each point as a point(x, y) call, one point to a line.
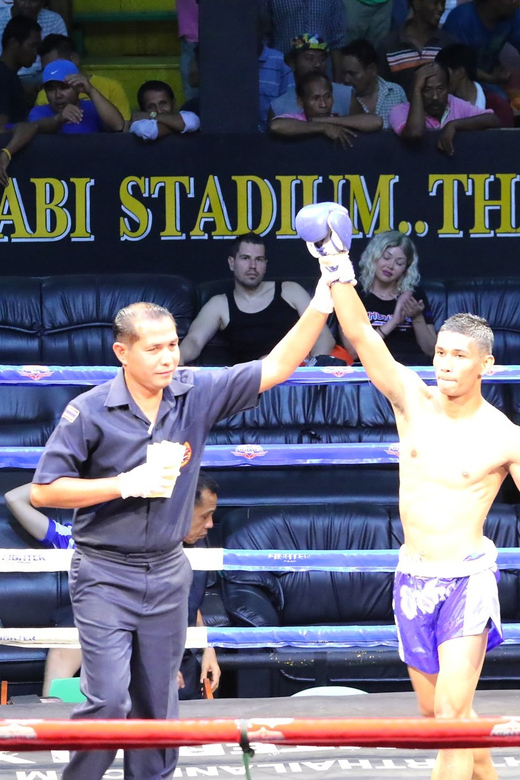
point(70, 413)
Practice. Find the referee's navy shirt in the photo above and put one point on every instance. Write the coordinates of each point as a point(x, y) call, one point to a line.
point(103, 432)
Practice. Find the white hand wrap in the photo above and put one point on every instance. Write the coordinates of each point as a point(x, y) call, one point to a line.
point(322, 298)
point(337, 268)
point(146, 481)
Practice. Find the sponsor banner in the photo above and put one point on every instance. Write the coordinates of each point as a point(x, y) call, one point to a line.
point(109, 203)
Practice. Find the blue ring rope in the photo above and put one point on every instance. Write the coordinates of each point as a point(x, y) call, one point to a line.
point(326, 375)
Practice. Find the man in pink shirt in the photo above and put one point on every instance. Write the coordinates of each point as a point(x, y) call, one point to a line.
point(432, 108)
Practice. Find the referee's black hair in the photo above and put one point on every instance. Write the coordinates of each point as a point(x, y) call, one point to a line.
point(124, 327)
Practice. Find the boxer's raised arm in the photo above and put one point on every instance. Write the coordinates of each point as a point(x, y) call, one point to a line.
point(327, 229)
point(384, 371)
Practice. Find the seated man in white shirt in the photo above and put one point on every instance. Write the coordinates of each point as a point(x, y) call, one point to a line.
point(158, 116)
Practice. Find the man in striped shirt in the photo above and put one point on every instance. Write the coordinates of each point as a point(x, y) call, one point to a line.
point(416, 43)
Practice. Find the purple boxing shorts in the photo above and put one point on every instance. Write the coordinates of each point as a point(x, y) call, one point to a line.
point(460, 600)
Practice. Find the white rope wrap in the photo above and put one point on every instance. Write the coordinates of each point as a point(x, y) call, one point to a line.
point(205, 558)
point(68, 637)
point(34, 560)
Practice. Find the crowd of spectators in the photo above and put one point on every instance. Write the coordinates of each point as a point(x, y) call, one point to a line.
point(374, 58)
point(332, 68)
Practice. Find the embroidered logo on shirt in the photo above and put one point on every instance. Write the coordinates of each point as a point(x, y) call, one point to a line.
point(70, 413)
point(187, 454)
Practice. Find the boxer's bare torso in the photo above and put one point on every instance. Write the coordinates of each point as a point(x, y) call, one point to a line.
point(452, 464)
point(455, 448)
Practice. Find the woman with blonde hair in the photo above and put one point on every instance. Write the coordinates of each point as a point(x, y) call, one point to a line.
point(397, 308)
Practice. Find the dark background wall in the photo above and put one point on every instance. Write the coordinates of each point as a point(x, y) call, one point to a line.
point(100, 204)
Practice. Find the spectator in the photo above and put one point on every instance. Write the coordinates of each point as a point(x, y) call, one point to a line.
point(20, 42)
point(461, 62)
point(188, 23)
point(65, 662)
point(372, 94)
point(65, 112)
point(433, 108)
point(308, 54)
point(315, 117)
point(405, 49)
point(23, 133)
point(193, 672)
point(158, 116)
point(369, 19)
point(397, 308)
point(285, 19)
point(49, 21)
point(60, 662)
point(275, 77)
point(61, 47)
point(255, 315)
point(486, 25)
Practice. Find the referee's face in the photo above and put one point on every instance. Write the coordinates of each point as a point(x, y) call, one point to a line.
point(151, 361)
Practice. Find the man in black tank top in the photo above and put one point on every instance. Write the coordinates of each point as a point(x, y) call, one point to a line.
point(255, 315)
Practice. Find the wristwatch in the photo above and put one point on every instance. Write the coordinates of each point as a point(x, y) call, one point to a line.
point(153, 115)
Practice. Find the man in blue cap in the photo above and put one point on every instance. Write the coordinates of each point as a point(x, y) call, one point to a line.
point(65, 112)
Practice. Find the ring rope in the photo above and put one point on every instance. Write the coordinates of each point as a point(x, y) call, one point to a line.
point(243, 638)
point(95, 375)
point(257, 455)
point(425, 733)
point(221, 559)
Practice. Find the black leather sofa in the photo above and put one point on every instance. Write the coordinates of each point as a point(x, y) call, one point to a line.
point(67, 320)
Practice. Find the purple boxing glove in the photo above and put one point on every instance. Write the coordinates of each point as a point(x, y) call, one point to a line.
point(327, 230)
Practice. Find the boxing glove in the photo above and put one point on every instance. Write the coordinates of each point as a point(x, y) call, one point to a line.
point(327, 230)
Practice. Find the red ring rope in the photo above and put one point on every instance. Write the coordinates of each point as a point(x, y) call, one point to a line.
point(374, 732)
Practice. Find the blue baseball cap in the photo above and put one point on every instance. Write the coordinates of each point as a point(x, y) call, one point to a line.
point(58, 70)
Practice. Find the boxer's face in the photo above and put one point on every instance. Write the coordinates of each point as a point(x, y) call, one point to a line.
point(459, 363)
point(202, 519)
point(249, 264)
